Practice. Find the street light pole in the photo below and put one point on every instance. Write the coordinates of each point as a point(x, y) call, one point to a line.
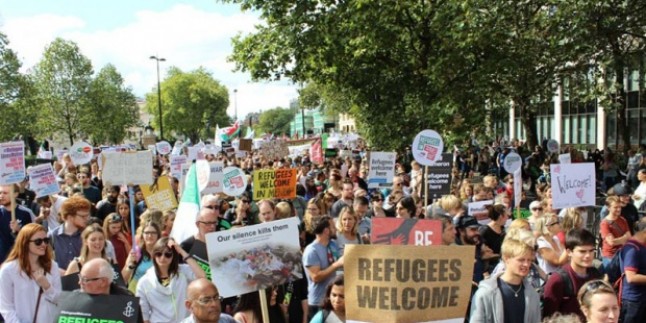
point(159, 104)
point(235, 105)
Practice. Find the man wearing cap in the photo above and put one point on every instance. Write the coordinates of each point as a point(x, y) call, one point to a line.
point(467, 228)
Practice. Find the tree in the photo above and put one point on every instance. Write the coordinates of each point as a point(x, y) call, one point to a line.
point(62, 79)
point(113, 107)
point(275, 121)
point(190, 101)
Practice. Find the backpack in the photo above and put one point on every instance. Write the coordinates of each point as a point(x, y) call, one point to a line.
point(614, 270)
point(593, 273)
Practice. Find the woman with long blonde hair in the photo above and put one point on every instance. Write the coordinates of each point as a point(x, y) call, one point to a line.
point(94, 246)
point(30, 280)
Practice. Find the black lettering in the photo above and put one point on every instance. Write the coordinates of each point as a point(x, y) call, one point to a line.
point(408, 293)
point(389, 265)
point(423, 298)
point(377, 270)
point(383, 298)
point(367, 296)
point(453, 299)
point(403, 270)
point(431, 270)
point(418, 270)
point(444, 263)
point(393, 299)
point(456, 273)
point(440, 296)
point(364, 269)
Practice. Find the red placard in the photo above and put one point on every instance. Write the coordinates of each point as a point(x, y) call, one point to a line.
point(397, 231)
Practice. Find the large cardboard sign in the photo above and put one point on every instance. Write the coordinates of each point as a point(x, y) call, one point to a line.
point(160, 194)
point(439, 176)
point(398, 231)
point(82, 307)
point(42, 180)
point(12, 162)
point(479, 211)
point(427, 147)
point(255, 257)
point(128, 168)
point(381, 169)
point(407, 283)
point(81, 153)
point(246, 145)
point(573, 185)
point(274, 183)
point(274, 149)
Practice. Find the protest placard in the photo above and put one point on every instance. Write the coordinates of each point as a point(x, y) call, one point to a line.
point(274, 149)
point(245, 145)
point(479, 211)
point(176, 162)
point(439, 176)
point(195, 153)
point(255, 257)
point(42, 180)
point(381, 169)
point(81, 153)
point(407, 283)
point(552, 146)
point(82, 307)
point(163, 147)
point(512, 162)
point(565, 158)
point(234, 181)
point(427, 147)
point(12, 162)
point(398, 231)
point(60, 154)
point(159, 195)
point(215, 178)
point(128, 168)
point(573, 185)
point(331, 152)
point(274, 183)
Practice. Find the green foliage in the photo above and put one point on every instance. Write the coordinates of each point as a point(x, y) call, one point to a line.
point(113, 107)
point(190, 101)
point(274, 121)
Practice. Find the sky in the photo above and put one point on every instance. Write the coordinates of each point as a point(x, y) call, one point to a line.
point(125, 33)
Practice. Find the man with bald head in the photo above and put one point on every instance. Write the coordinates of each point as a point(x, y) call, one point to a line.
point(203, 301)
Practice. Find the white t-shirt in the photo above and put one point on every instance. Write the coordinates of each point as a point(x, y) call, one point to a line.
point(52, 219)
point(541, 242)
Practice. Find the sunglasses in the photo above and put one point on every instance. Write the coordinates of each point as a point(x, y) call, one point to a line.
point(116, 218)
point(166, 254)
point(212, 207)
point(40, 241)
point(537, 209)
point(593, 286)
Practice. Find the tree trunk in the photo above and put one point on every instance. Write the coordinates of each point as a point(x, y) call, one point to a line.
point(621, 103)
point(528, 118)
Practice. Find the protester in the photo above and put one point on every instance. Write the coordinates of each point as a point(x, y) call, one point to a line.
point(346, 229)
point(519, 231)
point(614, 230)
point(248, 308)
point(267, 211)
point(241, 214)
point(162, 290)
point(494, 232)
point(639, 196)
point(448, 229)
point(8, 227)
point(536, 209)
point(29, 279)
point(312, 213)
point(633, 284)
point(90, 192)
point(406, 208)
point(66, 239)
point(333, 306)
point(550, 254)
point(507, 297)
point(109, 203)
point(168, 220)
point(49, 211)
point(140, 259)
point(376, 205)
point(598, 302)
point(364, 226)
point(115, 230)
point(347, 197)
point(203, 302)
point(321, 260)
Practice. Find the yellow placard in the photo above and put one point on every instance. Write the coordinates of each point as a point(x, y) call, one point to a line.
point(160, 195)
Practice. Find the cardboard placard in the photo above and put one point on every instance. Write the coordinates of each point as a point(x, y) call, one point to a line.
point(128, 168)
point(407, 283)
point(82, 307)
point(81, 153)
point(12, 162)
point(398, 231)
point(274, 149)
point(159, 195)
point(573, 185)
point(246, 145)
point(254, 257)
point(42, 180)
point(274, 183)
point(381, 169)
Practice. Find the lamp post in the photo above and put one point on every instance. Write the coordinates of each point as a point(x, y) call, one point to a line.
point(235, 105)
point(159, 104)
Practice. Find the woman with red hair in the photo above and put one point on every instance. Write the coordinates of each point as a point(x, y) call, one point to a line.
point(30, 280)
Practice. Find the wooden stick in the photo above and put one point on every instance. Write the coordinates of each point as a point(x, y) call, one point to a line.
point(263, 305)
point(12, 196)
point(426, 186)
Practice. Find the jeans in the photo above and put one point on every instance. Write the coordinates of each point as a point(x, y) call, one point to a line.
point(632, 312)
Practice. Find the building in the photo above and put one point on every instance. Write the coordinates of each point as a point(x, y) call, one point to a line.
point(346, 123)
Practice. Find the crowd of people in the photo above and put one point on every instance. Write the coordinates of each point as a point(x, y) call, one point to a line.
point(539, 265)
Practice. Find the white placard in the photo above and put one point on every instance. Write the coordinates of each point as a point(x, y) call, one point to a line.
point(215, 180)
point(176, 162)
point(12, 162)
point(573, 185)
point(81, 153)
point(128, 168)
point(234, 181)
point(479, 211)
point(234, 256)
point(163, 147)
point(427, 147)
point(553, 146)
point(512, 162)
point(565, 158)
point(42, 180)
point(381, 169)
point(518, 187)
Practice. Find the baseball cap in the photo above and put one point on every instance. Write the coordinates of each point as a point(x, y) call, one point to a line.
point(622, 189)
point(534, 204)
point(467, 221)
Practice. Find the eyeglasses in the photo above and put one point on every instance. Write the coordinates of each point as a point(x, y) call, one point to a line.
point(150, 233)
point(85, 216)
point(208, 223)
point(593, 286)
point(116, 218)
point(212, 207)
point(166, 254)
point(85, 280)
point(40, 241)
point(208, 299)
point(537, 209)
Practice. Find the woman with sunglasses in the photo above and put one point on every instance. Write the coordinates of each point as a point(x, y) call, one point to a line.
point(30, 280)
point(599, 302)
point(241, 214)
point(116, 231)
point(376, 206)
point(551, 254)
point(162, 290)
point(94, 246)
point(140, 258)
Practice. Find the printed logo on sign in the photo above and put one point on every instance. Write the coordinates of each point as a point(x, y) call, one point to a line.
point(431, 152)
point(427, 141)
point(129, 311)
point(230, 177)
point(236, 182)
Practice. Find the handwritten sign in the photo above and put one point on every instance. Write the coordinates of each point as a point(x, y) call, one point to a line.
point(381, 169)
point(234, 181)
point(176, 162)
point(274, 149)
point(427, 147)
point(160, 195)
point(128, 168)
point(42, 180)
point(573, 185)
point(407, 283)
point(12, 162)
point(274, 183)
point(255, 257)
point(81, 153)
point(398, 231)
point(565, 158)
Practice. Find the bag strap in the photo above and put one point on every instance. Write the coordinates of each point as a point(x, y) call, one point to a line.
point(40, 295)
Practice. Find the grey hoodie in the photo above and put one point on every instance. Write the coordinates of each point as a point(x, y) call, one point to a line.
point(487, 304)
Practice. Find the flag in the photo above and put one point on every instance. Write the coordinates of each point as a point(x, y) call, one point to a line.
point(228, 133)
point(250, 133)
point(189, 207)
point(217, 141)
point(316, 152)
